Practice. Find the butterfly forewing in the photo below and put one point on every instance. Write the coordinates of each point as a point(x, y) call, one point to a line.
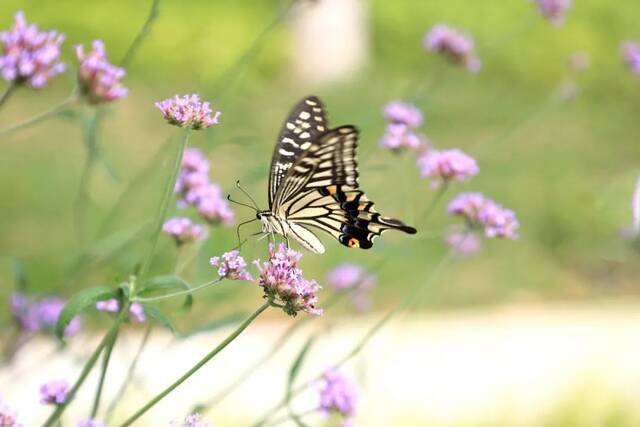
point(305, 123)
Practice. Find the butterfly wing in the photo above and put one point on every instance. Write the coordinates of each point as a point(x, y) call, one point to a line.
point(305, 123)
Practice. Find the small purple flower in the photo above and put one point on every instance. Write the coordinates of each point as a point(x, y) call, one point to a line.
point(554, 10)
point(231, 266)
point(282, 281)
point(338, 394)
point(480, 211)
point(193, 420)
point(455, 45)
point(8, 417)
point(54, 392)
point(345, 276)
point(463, 243)
point(188, 111)
point(91, 423)
point(184, 230)
point(29, 55)
point(398, 136)
point(109, 305)
point(194, 160)
point(403, 113)
point(41, 315)
point(136, 311)
point(631, 55)
point(447, 165)
point(98, 79)
point(215, 209)
point(24, 313)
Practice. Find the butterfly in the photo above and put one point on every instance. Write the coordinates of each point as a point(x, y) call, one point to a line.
point(313, 183)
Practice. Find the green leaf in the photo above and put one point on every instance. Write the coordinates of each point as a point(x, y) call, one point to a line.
point(217, 324)
point(297, 363)
point(154, 313)
point(155, 285)
point(78, 303)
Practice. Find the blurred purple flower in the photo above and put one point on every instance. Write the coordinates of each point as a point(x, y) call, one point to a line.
point(463, 243)
point(136, 311)
point(29, 55)
point(194, 160)
point(24, 313)
point(98, 79)
point(91, 423)
point(554, 10)
point(193, 420)
point(54, 392)
point(455, 45)
point(635, 208)
point(188, 111)
point(8, 417)
point(631, 55)
point(282, 281)
point(403, 113)
point(399, 136)
point(579, 61)
point(231, 266)
point(109, 305)
point(183, 230)
point(40, 315)
point(213, 207)
point(447, 165)
point(338, 394)
point(480, 211)
point(345, 276)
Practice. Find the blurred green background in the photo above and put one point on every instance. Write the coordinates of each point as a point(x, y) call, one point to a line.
point(566, 168)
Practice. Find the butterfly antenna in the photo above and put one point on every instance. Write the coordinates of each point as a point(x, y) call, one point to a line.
point(238, 231)
point(242, 204)
point(246, 193)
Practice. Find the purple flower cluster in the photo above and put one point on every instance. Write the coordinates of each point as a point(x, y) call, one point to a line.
point(196, 190)
point(8, 417)
point(40, 315)
point(481, 211)
point(338, 394)
point(463, 243)
point(184, 230)
point(554, 10)
point(446, 165)
point(29, 55)
point(231, 266)
point(136, 311)
point(455, 45)
point(91, 423)
point(193, 420)
point(188, 112)
point(98, 79)
point(54, 392)
point(353, 277)
point(282, 281)
point(403, 119)
point(631, 55)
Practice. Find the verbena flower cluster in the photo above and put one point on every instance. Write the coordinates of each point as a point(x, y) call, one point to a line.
point(29, 55)
point(631, 55)
point(455, 45)
point(463, 243)
point(446, 165)
point(282, 281)
point(40, 315)
point(8, 416)
point(554, 10)
point(196, 190)
point(54, 392)
point(193, 420)
point(353, 278)
point(136, 311)
point(338, 394)
point(188, 112)
point(480, 211)
point(231, 266)
point(99, 80)
point(184, 230)
point(403, 119)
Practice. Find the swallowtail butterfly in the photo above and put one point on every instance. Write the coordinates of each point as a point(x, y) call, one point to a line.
point(313, 182)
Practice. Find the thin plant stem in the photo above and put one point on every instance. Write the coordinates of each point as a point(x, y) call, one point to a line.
point(129, 377)
point(178, 293)
point(103, 373)
point(164, 207)
point(142, 34)
point(8, 91)
point(57, 109)
point(299, 415)
point(434, 201)
point(197, 366)
point(55, 416)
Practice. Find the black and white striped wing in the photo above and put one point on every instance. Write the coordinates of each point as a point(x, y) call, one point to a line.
point(304, 124)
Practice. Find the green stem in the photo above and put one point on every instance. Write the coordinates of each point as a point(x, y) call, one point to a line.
point(434, 201)
point(197, 366)
point(178, 293)
point(142, 34)
point(55, 416)
point(103, 373)
point(286, 418)
point(57, 109)
point(164, 208)
point(8, 91)
point(81, 200)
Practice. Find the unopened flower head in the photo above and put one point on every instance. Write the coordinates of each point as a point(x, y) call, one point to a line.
point(403, 113)
point(193, 420)
point(463, 243)
point(282, 281)
point(99, 80)
point(338, 394)
point(554, 10)
point(8, 416)
point(398, 136)
point(28, 55)
point(54, 392)
point(446, 165)
point(91, 423)
point(183, 230)
point(188, 112)
point(231, 266)
point(483, 212)
point(112, 305)
point(631, 55)
point(455, 45)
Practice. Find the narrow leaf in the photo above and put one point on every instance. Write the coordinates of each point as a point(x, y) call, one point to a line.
point(19, 274)
point(78, 303)
point(297, 363)
point(155, 314)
